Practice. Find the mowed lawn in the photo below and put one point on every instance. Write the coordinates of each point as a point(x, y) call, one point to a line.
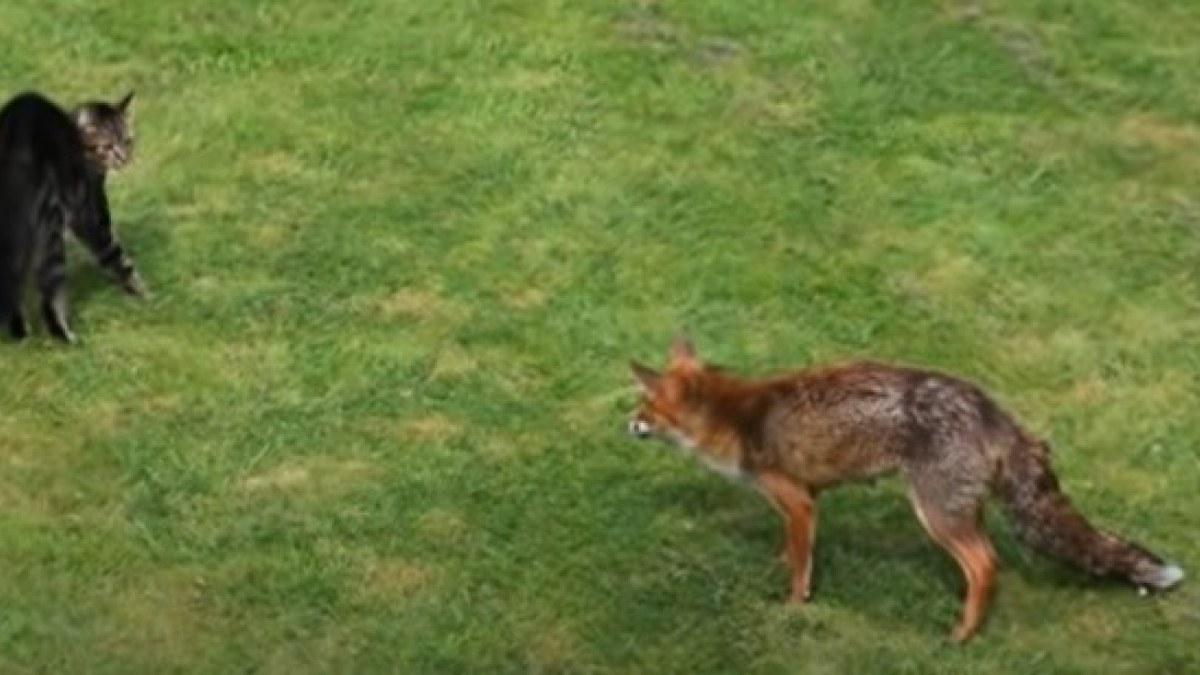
point(373, 418)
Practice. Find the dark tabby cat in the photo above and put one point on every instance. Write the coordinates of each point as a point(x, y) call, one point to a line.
point(52, 171)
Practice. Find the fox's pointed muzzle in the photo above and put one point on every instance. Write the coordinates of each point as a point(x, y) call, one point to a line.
point(640, 429)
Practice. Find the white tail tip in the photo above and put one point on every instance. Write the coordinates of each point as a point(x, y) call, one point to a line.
point(1164, 577)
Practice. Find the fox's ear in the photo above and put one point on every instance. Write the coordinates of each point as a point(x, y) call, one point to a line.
point(682, 349)
point(647, 379)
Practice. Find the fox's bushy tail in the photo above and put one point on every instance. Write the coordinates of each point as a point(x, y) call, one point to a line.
point(1044, 519)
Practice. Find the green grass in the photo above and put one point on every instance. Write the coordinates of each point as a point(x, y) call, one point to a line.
point(373, 418)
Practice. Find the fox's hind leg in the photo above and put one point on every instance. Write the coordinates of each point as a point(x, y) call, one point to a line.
point(962, 535)
point(799, 511)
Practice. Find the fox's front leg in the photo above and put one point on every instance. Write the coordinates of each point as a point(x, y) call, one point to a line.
point(799, 510)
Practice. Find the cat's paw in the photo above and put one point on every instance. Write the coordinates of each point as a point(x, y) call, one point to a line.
point(134, 286)
point(65, 335)
point(17, 329)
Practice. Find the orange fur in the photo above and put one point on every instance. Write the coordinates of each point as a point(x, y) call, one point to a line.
point(796, 434)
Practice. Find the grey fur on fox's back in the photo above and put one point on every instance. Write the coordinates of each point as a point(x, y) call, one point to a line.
point(797, 434)
point(958, 414)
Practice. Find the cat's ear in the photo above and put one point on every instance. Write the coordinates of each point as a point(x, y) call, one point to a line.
point(124, 106)
point(647, 379)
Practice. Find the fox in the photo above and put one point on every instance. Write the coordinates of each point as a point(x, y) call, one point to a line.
point(793, 435)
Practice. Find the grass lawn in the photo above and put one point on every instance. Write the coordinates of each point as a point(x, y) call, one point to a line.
point(373, 419)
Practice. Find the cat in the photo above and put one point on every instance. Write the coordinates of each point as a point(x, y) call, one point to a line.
point(53, 166)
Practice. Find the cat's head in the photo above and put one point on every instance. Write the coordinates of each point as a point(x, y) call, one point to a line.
point(107, 130)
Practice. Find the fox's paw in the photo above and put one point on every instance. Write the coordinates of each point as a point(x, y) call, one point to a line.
point(800, 594)
point(962, 633)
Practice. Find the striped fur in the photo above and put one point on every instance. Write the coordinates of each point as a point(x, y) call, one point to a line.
point(53, 167)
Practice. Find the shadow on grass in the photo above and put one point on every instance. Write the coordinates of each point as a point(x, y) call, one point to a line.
point(869, 543)
point(144, 237)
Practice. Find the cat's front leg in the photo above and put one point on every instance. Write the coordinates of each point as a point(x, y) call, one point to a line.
point(97, 234)
point(117, 263)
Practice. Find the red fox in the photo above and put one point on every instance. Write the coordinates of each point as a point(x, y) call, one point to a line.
point(793, 435)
